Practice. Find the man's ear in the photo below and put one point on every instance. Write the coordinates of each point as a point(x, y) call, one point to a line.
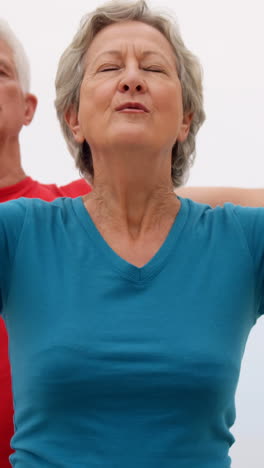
point(30, 107)
point(185, 127)
point(72, 120)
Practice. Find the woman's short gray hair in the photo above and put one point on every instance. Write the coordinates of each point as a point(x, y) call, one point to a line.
point(72, 67)
point(19, 55)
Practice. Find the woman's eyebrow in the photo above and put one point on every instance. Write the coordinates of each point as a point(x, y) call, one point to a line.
point(160, 55)
point(118, 54)
point(92, 59)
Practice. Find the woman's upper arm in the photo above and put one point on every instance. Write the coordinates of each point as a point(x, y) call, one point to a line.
point(12, 215)
point(251, 221)
point(219, 195)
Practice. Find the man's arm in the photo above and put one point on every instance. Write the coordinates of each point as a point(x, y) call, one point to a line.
point(219, 195)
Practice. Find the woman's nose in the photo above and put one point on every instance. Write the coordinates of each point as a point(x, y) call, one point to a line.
point(132, 82)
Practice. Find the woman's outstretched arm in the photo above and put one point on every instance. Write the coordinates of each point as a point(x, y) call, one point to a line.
point(219, 195)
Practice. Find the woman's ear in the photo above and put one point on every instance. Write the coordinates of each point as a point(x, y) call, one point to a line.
point(30, 108)
point(71, 119)
point(185, 127)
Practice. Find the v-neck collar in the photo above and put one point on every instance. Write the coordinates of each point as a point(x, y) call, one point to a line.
point(126, 269)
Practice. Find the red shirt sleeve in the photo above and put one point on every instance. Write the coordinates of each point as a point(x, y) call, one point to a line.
point(72, 190)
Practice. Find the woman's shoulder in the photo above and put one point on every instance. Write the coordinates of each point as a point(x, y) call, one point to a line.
point(29, 211)
point(225, 210)
point(23, 205)
point(228, 220)
point(248, 217)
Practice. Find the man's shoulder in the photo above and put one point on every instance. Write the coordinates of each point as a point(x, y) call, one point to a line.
point(73, 189)
point(30, 188)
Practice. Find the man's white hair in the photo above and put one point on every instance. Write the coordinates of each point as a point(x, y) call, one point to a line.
point(19, 55)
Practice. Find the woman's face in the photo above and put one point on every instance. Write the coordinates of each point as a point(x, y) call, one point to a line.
point(130, 93)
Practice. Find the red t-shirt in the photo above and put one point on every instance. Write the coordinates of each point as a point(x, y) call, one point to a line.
point(30, 189)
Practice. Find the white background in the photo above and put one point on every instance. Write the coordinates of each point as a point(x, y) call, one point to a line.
point(228, 37)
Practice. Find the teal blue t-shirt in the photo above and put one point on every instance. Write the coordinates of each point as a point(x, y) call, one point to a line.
point(116, 366)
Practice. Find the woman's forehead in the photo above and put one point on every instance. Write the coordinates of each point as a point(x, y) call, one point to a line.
point(118, 36)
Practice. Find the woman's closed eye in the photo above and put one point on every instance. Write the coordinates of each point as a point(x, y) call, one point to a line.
point(154, 69)
point(109, 68)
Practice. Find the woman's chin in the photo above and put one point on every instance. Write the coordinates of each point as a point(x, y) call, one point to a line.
point(134, 136)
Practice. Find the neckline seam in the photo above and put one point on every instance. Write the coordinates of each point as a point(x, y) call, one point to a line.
point(134, 275)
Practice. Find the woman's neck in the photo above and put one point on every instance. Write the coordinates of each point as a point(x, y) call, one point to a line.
point(132, 194)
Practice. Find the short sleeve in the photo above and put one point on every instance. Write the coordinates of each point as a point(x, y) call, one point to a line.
point(251, 221)
point(12, 216)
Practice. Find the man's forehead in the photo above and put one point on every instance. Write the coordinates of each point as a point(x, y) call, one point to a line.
point(5, 45)
point(6, 55)
point(5, 50)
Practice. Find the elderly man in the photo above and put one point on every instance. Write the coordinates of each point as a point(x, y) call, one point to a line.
point(17, 108)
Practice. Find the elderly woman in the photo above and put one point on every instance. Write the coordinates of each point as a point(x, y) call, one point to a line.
point(129, 309)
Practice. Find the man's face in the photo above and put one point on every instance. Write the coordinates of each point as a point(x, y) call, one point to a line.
point(13, 102)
